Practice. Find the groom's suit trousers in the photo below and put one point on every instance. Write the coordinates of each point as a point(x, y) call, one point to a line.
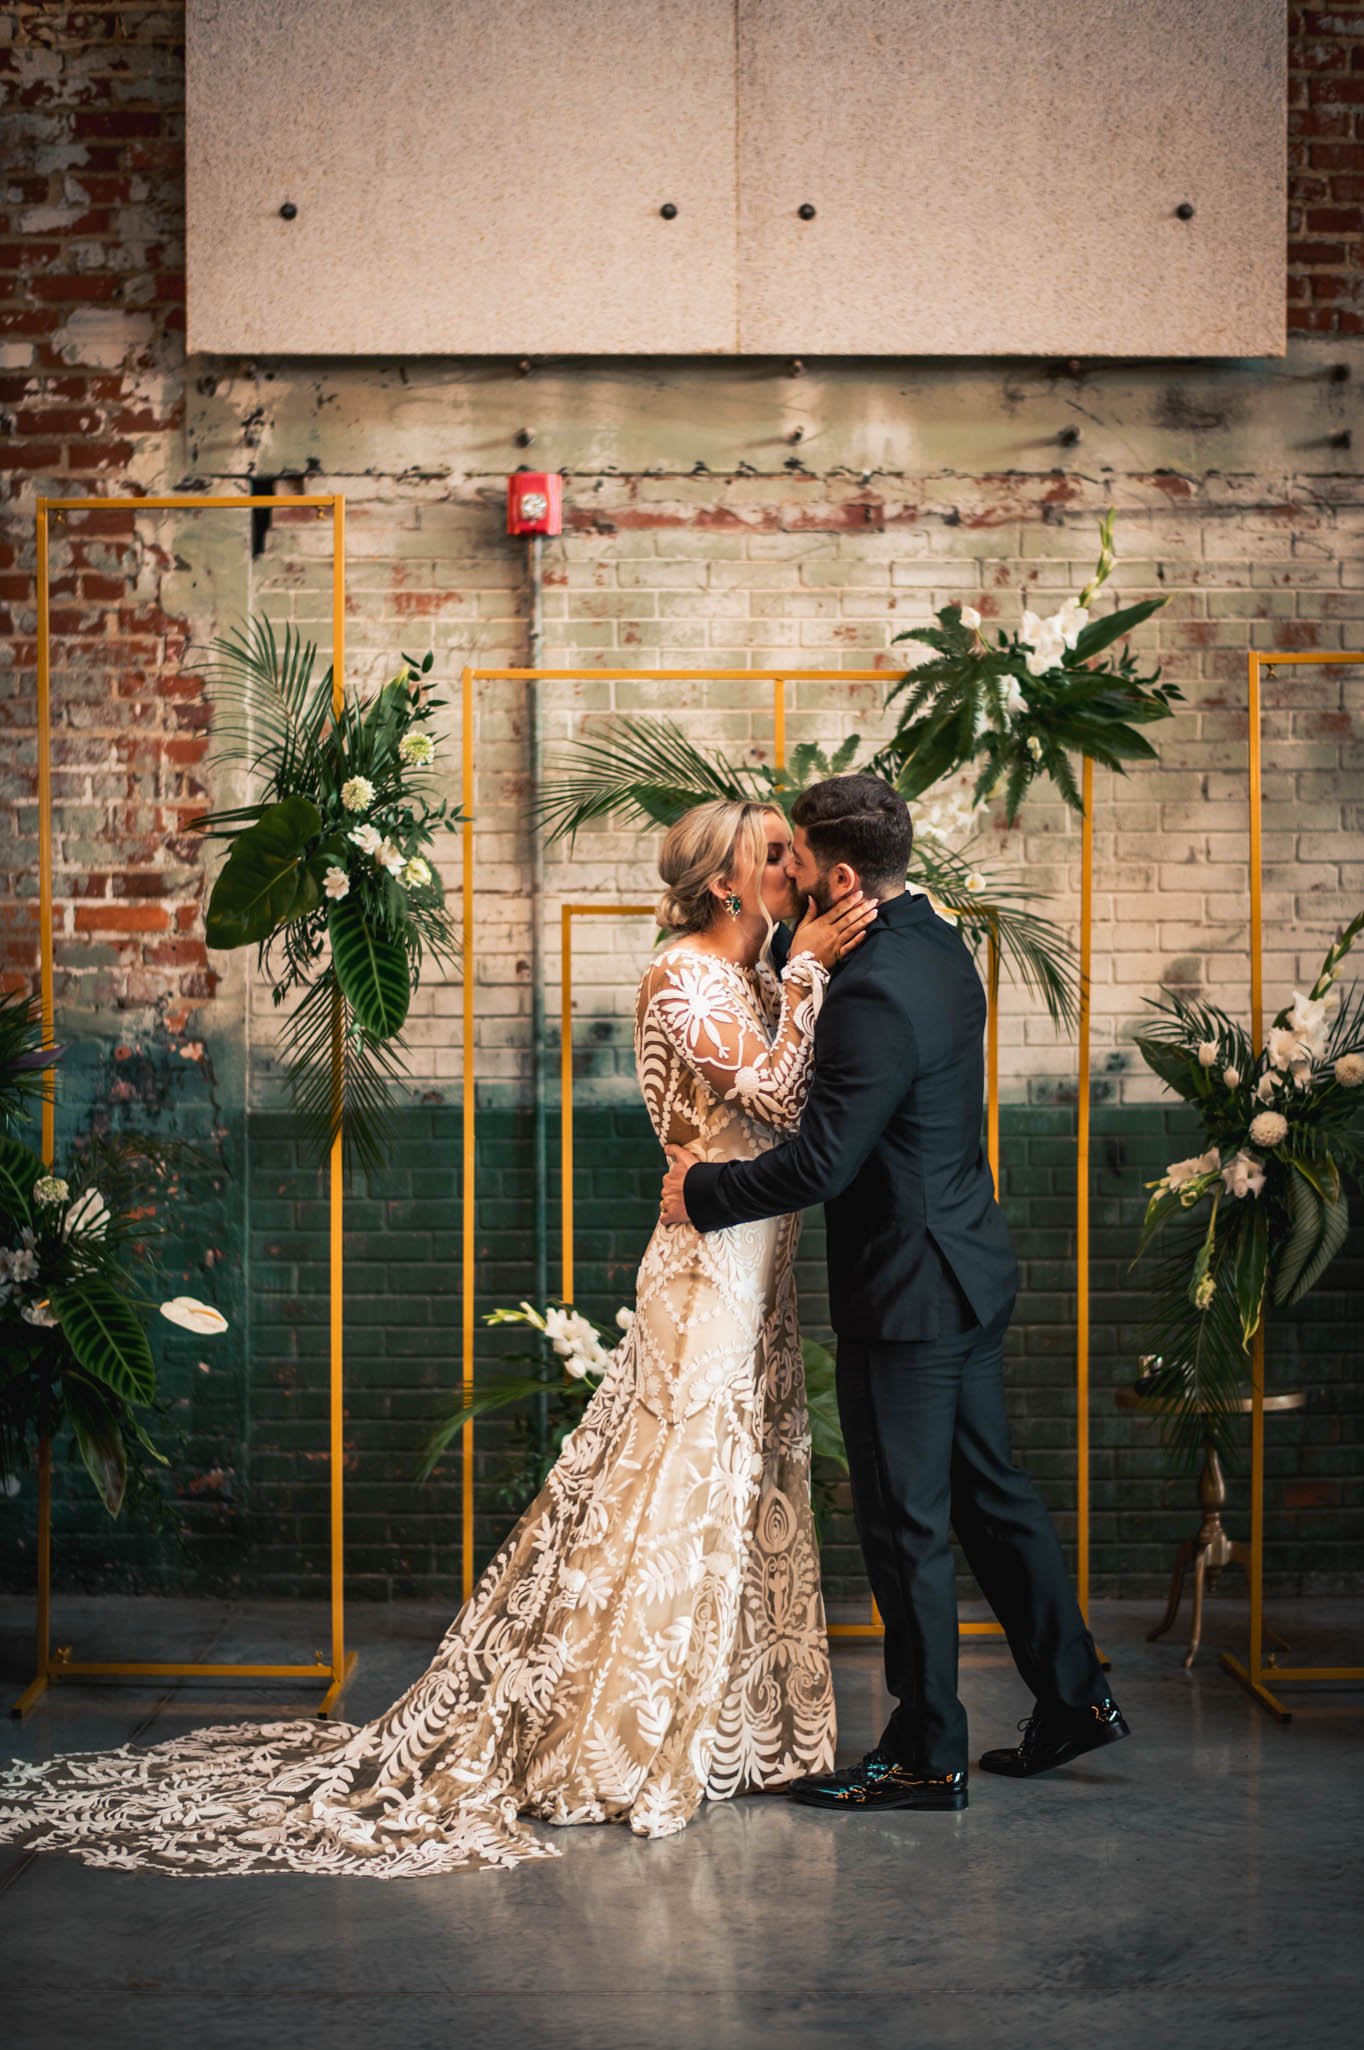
point(927, 1437)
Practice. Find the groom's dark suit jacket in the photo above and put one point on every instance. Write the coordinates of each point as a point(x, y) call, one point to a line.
point(890, 1141)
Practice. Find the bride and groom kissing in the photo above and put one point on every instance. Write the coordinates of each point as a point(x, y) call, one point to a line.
point(651, 1634)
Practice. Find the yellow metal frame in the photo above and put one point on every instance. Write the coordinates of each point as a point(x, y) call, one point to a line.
point(57, 1665)
point(778, 678)
point(1256, 1671)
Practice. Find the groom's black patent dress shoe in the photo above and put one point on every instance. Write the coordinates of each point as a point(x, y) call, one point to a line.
point(876, 1781)
point(1053, 1737)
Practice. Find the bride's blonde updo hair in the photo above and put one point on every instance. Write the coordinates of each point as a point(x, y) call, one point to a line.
point(705, 843)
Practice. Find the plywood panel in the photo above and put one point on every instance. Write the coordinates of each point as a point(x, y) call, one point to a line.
point(1001, 176)
point(471, 176)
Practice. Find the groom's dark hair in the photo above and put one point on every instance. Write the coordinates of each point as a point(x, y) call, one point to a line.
point(859, 820)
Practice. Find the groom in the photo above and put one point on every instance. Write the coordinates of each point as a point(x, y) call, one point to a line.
point(922, 1280)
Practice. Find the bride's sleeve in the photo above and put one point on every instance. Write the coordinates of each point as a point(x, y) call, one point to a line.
point(699, 1008)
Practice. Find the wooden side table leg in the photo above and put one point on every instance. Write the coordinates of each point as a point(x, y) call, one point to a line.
point(1200, 1574)
point(1185, 1556)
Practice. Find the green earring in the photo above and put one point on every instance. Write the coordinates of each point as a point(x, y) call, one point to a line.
point(734, 904)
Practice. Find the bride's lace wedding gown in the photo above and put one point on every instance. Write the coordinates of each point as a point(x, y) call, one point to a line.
point(650, 1635)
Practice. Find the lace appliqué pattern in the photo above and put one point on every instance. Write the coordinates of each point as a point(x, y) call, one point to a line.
point(651, 1633)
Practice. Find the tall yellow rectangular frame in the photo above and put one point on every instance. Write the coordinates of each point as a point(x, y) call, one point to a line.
point(778, 679)
point(1256, 1671)
point(52, 1666)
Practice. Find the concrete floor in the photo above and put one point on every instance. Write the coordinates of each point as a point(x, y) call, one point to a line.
point(1198, 1885)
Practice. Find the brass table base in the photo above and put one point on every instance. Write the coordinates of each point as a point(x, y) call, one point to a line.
point(1207, 1554)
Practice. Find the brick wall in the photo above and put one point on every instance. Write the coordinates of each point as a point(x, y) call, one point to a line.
point(698, 533)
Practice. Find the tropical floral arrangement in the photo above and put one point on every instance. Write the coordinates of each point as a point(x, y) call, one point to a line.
point(580, 1353)
point(327, 876)
point(649, 770)
point(1020, 707)
point(74, 1350)
point(1282, 1129)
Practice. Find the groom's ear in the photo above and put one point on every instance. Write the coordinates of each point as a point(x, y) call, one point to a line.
point(841, 880)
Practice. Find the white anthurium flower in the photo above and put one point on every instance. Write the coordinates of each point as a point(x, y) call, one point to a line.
point(1269, 1128)
point(390, 857)
point(970, 617)
point(357, 794)
point(1244, 1175)
point(336, 883)
point(50, 1189)
point(367, 838)
point(39, 1314)
point(192, 1315)
point(1349, 1070)
point(1207, 1052)
point(88, 1216)
point(418, 750)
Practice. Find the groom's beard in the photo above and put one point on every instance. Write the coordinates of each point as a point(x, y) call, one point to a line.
point(819, 890)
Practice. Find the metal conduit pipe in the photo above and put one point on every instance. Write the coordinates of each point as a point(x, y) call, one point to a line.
point(539, 1062)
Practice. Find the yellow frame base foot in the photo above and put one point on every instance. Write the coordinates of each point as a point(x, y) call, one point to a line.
point(31, 1696)
point(333, 1693)
point(1262, 1694)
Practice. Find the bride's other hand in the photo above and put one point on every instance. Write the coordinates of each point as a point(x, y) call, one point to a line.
point(672, 1208)
point(829, 935)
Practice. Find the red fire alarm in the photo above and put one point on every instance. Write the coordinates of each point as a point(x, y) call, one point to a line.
point(535, 502)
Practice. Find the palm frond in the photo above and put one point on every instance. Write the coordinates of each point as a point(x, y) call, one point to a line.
point(370, 1071)
point(645, 770)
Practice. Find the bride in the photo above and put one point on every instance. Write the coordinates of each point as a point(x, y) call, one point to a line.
point(651, 1633)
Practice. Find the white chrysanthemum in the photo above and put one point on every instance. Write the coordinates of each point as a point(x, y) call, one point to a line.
point(1232, 1077)
point(367, 838)
point(336, 883)
point(1244, 1175)
point(50, 1188)
point(1207, 1052)
point(88, 1216)
point(418, 750)
point(970, 617)
point(1349, 1070)
point(192, 1315)
point(390, 857)
point(357, 794)
point(1269, 1128)
point(415, 873)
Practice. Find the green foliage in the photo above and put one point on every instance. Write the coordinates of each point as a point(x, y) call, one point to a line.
point(25, 1063)
point(106, 1337)
point(371, 968)
point(266, 880)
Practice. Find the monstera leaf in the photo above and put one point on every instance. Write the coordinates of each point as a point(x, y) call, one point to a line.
point(265, 881)
point(371, 969)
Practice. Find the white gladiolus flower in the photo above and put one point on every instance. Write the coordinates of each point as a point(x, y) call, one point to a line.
point(415, 873)
point(88, 1216)
point(418, 750)
point(357, 794)
point(1283, 1046)
point(1181, 1172)
point(1349, 1070)
point(367, 838)
point(1071, 620)
point(336, 883)
point(1244, 1175)
point(1232, 1077)
point(390, 857)
point(1269, 1128)
point(50, 1188)
point(1267, 1084)
point(1301, 1073)
point(970, 617)
point(1207, 1052)
point(1014, 700)
point(575, 1366)
point(192, 1315)
point(1309, 1018)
